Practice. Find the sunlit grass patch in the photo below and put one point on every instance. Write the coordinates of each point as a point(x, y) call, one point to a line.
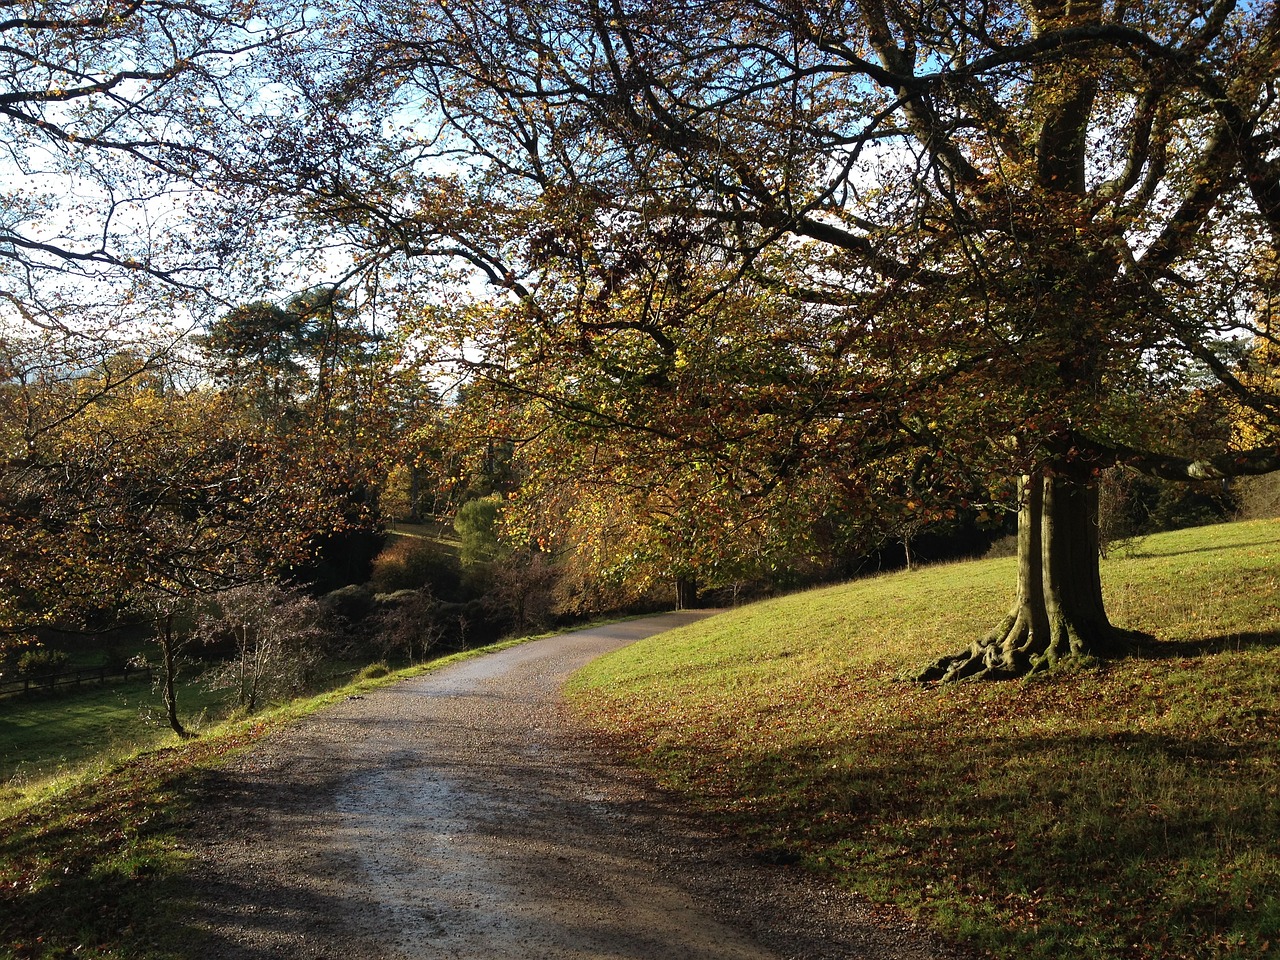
point(51, 735)
point(1130, 811)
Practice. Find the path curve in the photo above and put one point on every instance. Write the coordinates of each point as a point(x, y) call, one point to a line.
point(462, 815)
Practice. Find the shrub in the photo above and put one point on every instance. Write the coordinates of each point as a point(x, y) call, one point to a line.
point(411, 563)
point(350, 604)
point(36, 662)
point(1004, 547)
point(1122, 512)
point(522, 591)
point(1259, 497)
point(277, 635)
point(1180, 505)
point(409, 624)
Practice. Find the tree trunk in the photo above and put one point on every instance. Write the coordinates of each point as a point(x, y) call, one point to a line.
point(1078, 623)
point(167, 653)
point(415, 492)
point(1058, 611)
point(686, 593)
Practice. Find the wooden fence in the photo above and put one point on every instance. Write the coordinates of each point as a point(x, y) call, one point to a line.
point(70, 678)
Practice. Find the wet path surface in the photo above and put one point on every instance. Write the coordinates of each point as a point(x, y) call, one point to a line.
point(460, 815)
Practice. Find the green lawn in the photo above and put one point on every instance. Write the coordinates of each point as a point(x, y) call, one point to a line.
point(438, 532)
point(43, 735)
point(1127, 812)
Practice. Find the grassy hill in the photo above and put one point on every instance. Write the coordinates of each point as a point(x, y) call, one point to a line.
point(1127, 812)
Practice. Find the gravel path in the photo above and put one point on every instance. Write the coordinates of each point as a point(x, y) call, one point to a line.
point(461, 815)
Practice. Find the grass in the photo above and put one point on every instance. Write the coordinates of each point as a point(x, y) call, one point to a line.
point(439, 532)
point(1130, 812)
point(1127, 812)
point(43, 735)
point(93, 863)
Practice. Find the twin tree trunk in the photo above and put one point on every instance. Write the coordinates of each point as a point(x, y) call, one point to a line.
point(1058, 611)
point(686, 593)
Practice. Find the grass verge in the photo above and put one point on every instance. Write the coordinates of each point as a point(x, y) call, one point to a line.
point(1127, 812)
point(92, 864)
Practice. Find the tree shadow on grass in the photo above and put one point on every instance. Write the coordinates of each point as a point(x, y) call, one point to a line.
point(1207, 646)
point(108, 869)
point(1144, 551)
point(1038, 844)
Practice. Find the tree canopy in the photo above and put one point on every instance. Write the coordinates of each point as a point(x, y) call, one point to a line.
point(115, 119)
point(812, 257)
point(997, 234)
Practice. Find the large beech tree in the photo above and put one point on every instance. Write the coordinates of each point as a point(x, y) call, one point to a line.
point(1005, 228)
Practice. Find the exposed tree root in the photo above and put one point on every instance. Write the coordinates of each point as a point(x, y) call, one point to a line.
point(1012, 650)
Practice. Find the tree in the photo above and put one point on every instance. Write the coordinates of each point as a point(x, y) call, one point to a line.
point(624, 520)
point(143, 504)
point(117, 119)
point(477, 526)
point(303, 361)
point(258, 350)
point(316, 375)
point(1004, 231)
point(275, 632)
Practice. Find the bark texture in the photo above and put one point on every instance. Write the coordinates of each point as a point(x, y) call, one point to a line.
point(686, 593)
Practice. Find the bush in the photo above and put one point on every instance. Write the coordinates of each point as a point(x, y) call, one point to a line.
point(522, 591)
point(276, 635)
point(37, 662)
point(1004, 547)
point(350, 605)
point(1179, 505)
point(1259, 497)
point(411, 563)
point(409, 624)
point(1123, 513)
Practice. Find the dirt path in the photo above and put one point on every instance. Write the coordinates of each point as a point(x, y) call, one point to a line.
point(461, 815)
